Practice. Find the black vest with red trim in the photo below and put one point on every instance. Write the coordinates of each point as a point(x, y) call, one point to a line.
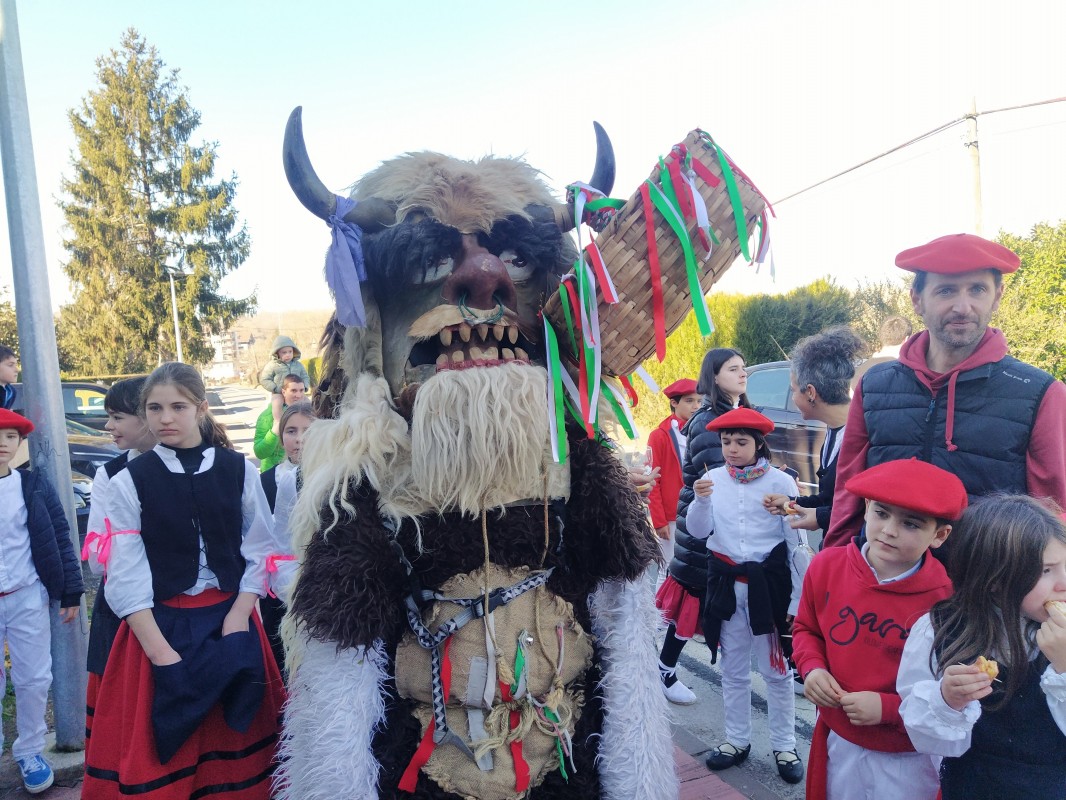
point(178, 509)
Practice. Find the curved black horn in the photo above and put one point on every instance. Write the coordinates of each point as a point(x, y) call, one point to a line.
point(603, 175)
point(371, 214)
point(602, 178)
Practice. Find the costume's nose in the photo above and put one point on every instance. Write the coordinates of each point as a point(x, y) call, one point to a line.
point(480, 280)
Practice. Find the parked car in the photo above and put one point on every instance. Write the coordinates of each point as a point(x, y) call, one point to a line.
point(83, 402)
point(795, 442)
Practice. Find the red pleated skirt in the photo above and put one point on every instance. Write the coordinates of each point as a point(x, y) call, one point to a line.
point(216, 761)
point(680, 608)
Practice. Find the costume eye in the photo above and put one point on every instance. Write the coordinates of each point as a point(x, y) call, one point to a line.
point(517, 267)
point(438, 272)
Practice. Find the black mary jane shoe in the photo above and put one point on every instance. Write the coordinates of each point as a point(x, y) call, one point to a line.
point(726, 755)
point(789, 766)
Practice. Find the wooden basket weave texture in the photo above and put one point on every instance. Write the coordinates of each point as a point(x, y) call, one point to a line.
point(627, 327)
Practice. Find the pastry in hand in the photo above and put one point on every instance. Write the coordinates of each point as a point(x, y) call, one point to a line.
point(987, 666)
point(1059, 605)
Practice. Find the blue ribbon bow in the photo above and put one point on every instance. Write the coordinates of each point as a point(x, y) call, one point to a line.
point(345, 269)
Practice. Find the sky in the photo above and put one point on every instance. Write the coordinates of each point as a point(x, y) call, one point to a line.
point(795, 92)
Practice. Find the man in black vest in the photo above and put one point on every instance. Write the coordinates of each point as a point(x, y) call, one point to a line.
point(955, 398)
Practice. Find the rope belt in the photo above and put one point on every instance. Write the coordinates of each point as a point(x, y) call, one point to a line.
point(473, 608)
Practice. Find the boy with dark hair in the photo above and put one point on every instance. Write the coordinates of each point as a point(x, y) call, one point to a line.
point(38, 563)
point(9, 374)
point(856, 610)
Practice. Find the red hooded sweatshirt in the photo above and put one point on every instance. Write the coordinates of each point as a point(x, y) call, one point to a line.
point(662, 500)
point(855, 628)
point(1045, 458)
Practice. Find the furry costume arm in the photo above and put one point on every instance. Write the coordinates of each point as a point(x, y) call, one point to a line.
point(351, 582)
point(607, 535)
point(636, 758)
point(336, 701)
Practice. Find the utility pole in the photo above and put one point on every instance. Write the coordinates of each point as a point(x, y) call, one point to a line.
point(975, 160)
point(40, 362)
point(174, 307)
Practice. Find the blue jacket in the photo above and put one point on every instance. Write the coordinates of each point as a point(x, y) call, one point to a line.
point(7, 396)
point(50, 546)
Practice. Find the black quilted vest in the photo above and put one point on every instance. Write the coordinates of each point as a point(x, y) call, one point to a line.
point(177, 509)
point(689, 563)
point(995, 408)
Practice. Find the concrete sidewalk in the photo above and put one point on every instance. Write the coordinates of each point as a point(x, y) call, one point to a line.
point(697, 783)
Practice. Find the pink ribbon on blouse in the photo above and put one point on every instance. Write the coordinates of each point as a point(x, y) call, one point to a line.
point(272, 567)
point(103, 553)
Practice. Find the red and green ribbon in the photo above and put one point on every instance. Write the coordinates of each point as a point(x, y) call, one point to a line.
point(673, 219)
point(556, 419)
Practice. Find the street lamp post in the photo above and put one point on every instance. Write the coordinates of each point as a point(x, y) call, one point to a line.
point(174, 308)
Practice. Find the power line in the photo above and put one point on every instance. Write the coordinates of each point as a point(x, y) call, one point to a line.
point(915, 140)
point(1026, 105)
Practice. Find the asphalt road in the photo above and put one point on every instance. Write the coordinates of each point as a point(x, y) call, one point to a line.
point(237, 408)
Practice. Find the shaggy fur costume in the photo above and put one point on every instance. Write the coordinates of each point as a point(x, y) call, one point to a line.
point(351, 588)
point(409, 461)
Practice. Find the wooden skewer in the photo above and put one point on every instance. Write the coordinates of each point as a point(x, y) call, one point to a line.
point(960, 664)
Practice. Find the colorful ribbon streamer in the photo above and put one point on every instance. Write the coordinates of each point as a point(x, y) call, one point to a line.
point(102, 542)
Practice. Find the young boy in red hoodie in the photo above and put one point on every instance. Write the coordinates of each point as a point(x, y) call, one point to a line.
point(856, 610)
point(667, 444)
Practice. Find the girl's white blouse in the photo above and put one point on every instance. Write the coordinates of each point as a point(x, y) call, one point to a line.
point(932, 725)
point(129, 577)
point(740, 527)
point(281, 580)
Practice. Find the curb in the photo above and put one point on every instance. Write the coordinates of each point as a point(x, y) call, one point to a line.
point(69, 767)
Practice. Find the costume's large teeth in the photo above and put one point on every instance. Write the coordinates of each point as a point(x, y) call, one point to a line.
point(457, 357)
point(520, 353)
point(512, 334)
point(475, 352)
point(508, 354)
point(483, 331)
point(446, 337)
point(464, 332)
point(442, 360)
point(490, 354)
point(497, 331)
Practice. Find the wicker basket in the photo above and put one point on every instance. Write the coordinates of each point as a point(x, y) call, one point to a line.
point(627, 328)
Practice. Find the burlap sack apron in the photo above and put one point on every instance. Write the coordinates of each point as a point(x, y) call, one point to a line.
point(545, 623)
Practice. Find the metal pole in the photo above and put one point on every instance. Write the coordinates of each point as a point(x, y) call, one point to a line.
point(40, 361)
point(975, 159)
point(174, 306)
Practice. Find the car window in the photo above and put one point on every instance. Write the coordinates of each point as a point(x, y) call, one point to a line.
point(84, 401)
point(768, 388)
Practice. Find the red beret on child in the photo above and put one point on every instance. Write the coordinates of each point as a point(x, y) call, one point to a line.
point(914, 485)
point(680, 388)
point(741, 418)
point(9, 419)
point(958, 252)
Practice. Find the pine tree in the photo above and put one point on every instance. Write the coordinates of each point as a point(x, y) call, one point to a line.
point(9, 332)
point(141, 201)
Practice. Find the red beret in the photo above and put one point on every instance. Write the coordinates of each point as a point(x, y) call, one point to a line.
point(747, 418)
point(914, 485)
point(958, 252)
point(680, 388)
point(9, 419)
